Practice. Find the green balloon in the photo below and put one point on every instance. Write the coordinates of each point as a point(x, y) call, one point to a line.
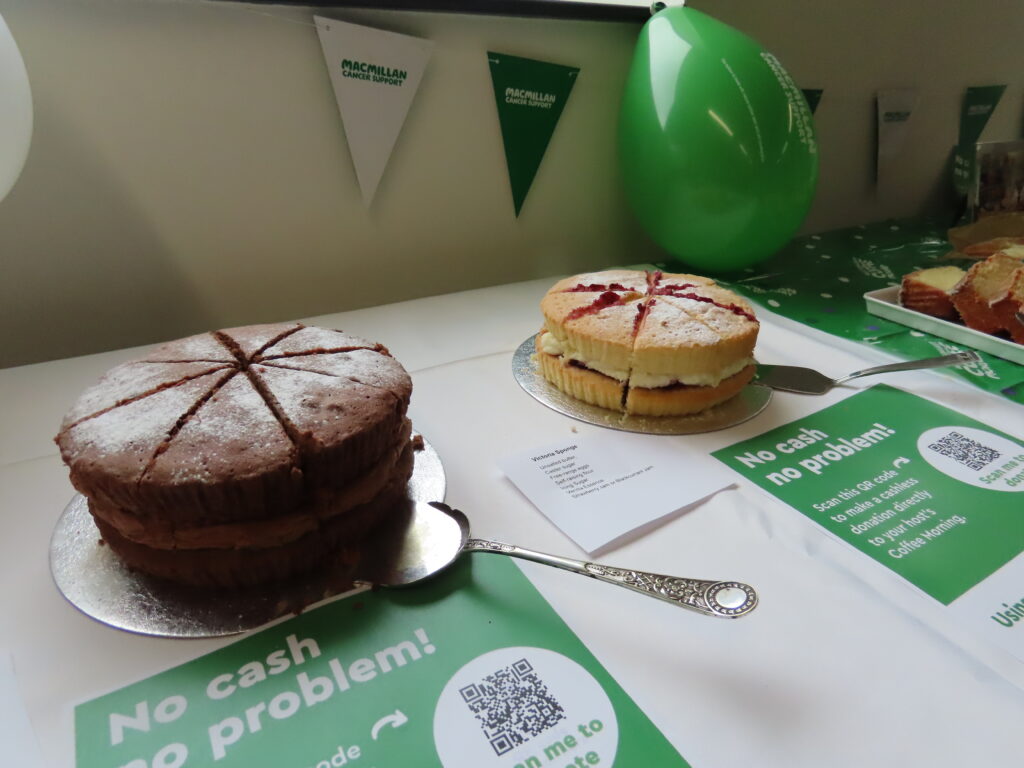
point(716, 142)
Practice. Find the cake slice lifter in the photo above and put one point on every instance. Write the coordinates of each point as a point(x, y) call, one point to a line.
point(436, 534)
point(806, 381)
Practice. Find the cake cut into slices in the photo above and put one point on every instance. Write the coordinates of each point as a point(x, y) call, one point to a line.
point(646, 343)
point(245, 455)
point(928, 291)
point(1012, 246)
point(1010, 309)
point(985, 284)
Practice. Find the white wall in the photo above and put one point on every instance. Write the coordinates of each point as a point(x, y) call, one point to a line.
point(189, 171)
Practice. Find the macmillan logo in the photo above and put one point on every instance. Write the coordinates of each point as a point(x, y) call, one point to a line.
point(896, 117)
point(360, 70)
point(873, 269)
point(981, 369)
point(1010, 614)
point(529, 98)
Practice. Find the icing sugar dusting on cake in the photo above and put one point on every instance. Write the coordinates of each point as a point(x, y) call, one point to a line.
point(253, 338)
point(721, 319)
point(363, 365)
point(203, 346)
point(309, 401)
point(130, 380)
point(303, 397)
point(311, 340)
point(234, 428)
point(663, 326)
point(140, 427)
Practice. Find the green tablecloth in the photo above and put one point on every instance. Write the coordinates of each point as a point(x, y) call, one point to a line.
point(820, 281)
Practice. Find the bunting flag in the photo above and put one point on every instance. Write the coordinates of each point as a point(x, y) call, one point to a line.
point(375, 75)
point(978, 104)
point(895, 106)
point(813, 96)
point(530, 96)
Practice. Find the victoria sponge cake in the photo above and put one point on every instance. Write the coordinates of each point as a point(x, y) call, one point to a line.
point(245, 455)
point(646, 343)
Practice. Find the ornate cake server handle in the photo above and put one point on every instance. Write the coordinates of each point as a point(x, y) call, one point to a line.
point(724, 599)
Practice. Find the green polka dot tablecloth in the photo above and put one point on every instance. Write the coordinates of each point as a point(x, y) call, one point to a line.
point(820, 281)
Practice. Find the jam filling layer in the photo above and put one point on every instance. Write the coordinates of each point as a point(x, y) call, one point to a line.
point(605, 300)
point(678, 385)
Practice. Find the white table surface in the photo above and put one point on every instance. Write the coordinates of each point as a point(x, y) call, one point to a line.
point(826, 672)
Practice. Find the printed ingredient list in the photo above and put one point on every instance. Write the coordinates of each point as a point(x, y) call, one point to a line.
point(578, 480)
point(599, 489)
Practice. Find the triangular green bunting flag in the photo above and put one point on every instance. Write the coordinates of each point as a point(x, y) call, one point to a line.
point(963, 168)
point(978, 105)
point(813, 96)
point(530, 96)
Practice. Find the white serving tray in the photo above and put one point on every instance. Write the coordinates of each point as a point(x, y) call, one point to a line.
point(885, 303)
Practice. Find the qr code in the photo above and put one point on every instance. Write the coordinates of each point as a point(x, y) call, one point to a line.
point(962, 449)
point(512, 706)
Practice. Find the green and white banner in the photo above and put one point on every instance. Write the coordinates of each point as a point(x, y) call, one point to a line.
point(530, 96)
point(375, 75)
point(471, 670)
point(933, 495)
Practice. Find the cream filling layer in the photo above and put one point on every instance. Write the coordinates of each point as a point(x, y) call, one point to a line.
point(562, 348)
point(551, 345)
point(706, 379)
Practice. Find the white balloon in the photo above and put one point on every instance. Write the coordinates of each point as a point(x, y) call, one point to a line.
point(15, 111)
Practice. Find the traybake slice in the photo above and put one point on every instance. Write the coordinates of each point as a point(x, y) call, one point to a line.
point(1010, 309)
point(984, 285)
point(928, 291)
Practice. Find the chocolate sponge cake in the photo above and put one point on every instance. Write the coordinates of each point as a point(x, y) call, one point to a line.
point(244, 455)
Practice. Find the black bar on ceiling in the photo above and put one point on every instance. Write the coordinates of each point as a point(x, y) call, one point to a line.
point(548, 9)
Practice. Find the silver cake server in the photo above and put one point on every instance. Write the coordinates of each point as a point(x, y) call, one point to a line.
point(806, 381)
point(436, 534)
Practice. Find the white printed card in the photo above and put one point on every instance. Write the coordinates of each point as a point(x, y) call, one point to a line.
point(600, 489)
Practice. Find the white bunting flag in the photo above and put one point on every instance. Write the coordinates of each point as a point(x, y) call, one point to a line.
point(894, 108)
point(375, 75)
